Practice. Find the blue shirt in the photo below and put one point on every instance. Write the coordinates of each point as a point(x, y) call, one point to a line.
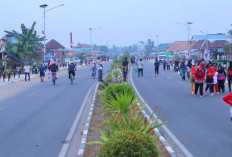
point(42, 69)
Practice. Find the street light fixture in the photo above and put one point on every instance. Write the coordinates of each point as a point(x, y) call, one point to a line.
point(44, 7)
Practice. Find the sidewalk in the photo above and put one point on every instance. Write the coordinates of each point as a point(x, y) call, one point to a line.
point(22, 76)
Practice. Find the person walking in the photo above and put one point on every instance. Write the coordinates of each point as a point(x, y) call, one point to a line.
point(221, 77)
point(100, 73)
point(156, 64)
point(209, 80)
point(176, 66)
point(125, 68)
point(168, 64)
point(215, 82)
point(199, 78)
point(42, 72)
point(189, 66)
point(183, 70)
point(229, 75)
point(192, 78)
point(27, 70)
point(164, 65)
point(140, 67)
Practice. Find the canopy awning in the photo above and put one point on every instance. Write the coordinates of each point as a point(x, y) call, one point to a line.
point(48, 56)
point(167, 53)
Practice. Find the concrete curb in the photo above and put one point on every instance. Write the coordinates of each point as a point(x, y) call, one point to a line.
point(86, 129)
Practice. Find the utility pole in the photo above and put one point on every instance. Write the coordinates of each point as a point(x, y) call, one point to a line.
point(207, 46)
point(157, 43)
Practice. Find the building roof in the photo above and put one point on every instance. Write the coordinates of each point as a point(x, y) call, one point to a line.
point(178, 45)
point(219, 36)
point(218, 44)
point(200, 44)
point(54, 45)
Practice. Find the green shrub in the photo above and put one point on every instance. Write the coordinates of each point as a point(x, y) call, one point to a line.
point(101, 86)
point(121, 103)
point(129, 144)
point(133, 120)
point(118, 88)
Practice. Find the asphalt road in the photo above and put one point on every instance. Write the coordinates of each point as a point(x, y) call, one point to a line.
point(36, 121)
point(202, 125)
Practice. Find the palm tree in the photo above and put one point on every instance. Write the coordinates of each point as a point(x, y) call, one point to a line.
point(27, 43)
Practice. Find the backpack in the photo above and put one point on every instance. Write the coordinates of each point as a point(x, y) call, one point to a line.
point(221, 76)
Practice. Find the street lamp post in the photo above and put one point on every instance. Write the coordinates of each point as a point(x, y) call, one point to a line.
point(44, 8)
point(91, 38)
point(207, 46)
point(157, 48)
point(188, 44)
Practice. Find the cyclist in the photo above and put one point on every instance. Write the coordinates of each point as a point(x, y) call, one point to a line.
point(54, 68)
point(94, 69)
point(71, 70)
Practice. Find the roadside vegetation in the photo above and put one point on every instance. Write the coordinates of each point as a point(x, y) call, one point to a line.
point(124, 130)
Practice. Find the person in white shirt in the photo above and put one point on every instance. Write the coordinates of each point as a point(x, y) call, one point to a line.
point(140, 68)
point(27, 71)
point(215, 82)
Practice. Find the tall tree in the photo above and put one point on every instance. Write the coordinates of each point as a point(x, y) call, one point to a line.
point(28, 42)
point(149, 46)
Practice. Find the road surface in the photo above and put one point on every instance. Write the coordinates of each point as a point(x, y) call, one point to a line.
point(202, 125)
point(36, 121)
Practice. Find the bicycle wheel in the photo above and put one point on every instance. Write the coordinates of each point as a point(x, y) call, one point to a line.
point(71, 78)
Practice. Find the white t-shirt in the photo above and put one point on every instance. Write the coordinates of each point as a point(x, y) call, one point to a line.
point(140, 64)
point(27, 69)
point(215, 78)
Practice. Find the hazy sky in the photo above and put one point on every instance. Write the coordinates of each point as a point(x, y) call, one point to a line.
point(122, 22)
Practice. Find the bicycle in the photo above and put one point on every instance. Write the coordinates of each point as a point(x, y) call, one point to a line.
point(53, 78)
point(71, 78)
point(94, 74)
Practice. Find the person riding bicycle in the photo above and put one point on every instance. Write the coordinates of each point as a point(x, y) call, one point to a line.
point(54, 68)
point(71, 70)
point(94, 69)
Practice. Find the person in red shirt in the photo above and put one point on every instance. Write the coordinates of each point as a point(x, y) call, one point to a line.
point(209, 79)
point(199, 79)
point(228, 99)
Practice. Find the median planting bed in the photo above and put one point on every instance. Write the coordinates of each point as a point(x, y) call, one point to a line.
point(118, 128)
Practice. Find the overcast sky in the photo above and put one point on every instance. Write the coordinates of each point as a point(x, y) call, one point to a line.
point(122, 22)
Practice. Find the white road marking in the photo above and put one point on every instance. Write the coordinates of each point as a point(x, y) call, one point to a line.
point(173, 137)
point(74, 125)
point(29, 94)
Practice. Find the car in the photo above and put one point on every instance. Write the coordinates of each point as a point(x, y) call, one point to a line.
point(76, 60)
point(162, 58)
